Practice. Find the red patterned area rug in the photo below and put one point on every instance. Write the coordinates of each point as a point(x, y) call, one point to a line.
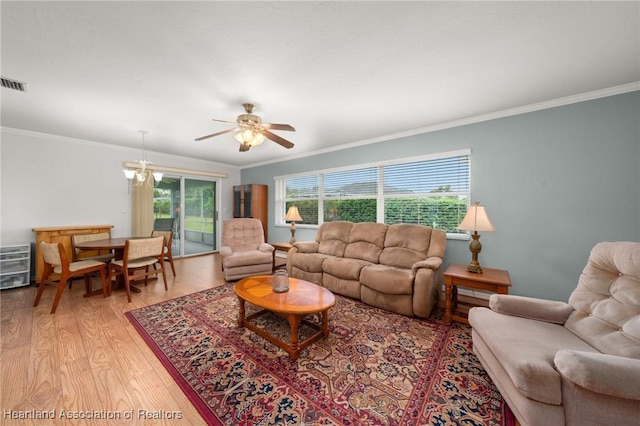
point(375, 368)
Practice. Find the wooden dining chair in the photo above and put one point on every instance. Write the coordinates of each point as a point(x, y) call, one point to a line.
point(56, 261)
point(139, 255)
point(168, 242)
point(80, 254)
point(163, 224)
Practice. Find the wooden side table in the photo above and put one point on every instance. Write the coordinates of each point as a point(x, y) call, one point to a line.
point(493, 280)
point(279, 247)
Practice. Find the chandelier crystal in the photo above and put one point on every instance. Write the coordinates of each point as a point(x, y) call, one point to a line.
point(142, 174)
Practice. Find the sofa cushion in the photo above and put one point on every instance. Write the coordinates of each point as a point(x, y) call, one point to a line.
point(349, 288)
point(387, 280)
point(345, 268)
point(526, 349)
point(607, 300)
point(333, 237)
point(366, 241)
point(405, 244)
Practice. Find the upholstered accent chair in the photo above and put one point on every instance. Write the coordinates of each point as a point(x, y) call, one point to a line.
point(139, 255)
point(575, 363)
point(56, 261)
point(168, 242)
point(244, 251)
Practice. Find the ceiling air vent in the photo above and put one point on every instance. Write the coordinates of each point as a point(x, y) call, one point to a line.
point(14, 84)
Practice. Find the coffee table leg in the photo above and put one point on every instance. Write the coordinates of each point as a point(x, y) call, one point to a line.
point(241, 313)
point(294, 324)
point(325, 324)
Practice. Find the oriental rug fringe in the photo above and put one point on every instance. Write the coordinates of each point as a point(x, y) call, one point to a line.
point(375, 368)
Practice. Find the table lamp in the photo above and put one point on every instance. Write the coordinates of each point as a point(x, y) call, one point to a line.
point(475, 220)
point(293, 216)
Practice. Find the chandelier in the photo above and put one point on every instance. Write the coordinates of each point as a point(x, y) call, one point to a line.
point(142, 174)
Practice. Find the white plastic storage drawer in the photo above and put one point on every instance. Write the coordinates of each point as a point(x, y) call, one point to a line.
point(15, 265)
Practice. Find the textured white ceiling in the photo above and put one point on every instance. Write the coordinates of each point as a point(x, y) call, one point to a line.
point(339, 72)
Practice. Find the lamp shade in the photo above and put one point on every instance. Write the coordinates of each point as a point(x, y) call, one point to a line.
point(476, 219)
point(293, 215)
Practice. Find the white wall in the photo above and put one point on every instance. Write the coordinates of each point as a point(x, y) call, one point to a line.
point(48, 180)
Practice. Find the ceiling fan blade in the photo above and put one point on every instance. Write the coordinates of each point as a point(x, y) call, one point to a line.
point(278, 127)
point(277, 139)
point(244, 147)
point(217, 134)
point(223, 121)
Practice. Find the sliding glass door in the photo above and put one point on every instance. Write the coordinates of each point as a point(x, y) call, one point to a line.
point(191, 203)
point(199, 216)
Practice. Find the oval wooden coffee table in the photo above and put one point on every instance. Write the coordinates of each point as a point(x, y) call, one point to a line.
point(302, 299)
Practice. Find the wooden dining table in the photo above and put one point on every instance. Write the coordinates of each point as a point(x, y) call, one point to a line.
point(115, 245)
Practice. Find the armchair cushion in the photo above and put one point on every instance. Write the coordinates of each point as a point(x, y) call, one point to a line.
point(247, 257)
point(601, 373)
point(606, 301)
point(265, 247)
point(528, 307)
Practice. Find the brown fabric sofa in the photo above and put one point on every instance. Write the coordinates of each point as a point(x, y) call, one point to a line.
point(575, 363)
point(394, 267)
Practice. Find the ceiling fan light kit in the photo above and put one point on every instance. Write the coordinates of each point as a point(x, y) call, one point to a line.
point(252, 131)
point(250, 137)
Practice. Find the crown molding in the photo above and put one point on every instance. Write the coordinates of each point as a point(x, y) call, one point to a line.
point(568, 100)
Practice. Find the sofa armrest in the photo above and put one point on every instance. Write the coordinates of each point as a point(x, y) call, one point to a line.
point(225, 251)
point(266, 247)
point(430, 262)
point(601, 373)
point(529, 307)
point(306, 246)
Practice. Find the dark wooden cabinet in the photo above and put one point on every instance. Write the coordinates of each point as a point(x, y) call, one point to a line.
point(252, 201)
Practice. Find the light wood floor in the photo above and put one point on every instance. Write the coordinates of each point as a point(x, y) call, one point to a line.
point(87, 357)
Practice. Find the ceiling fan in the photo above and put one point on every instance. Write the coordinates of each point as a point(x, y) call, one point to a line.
point(252, 131)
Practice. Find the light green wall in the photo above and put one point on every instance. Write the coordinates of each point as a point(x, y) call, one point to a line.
point(554, 182)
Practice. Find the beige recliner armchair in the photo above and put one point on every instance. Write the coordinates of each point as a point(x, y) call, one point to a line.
point(244, 251)
point(575, 363)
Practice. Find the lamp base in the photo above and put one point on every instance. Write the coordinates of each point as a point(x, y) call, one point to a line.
point(476, 269)
point(475, 247)
point(293, 233)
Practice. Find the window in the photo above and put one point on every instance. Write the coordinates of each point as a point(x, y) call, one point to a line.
point(431, 190)
point(350, 195)
point(303, 191)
